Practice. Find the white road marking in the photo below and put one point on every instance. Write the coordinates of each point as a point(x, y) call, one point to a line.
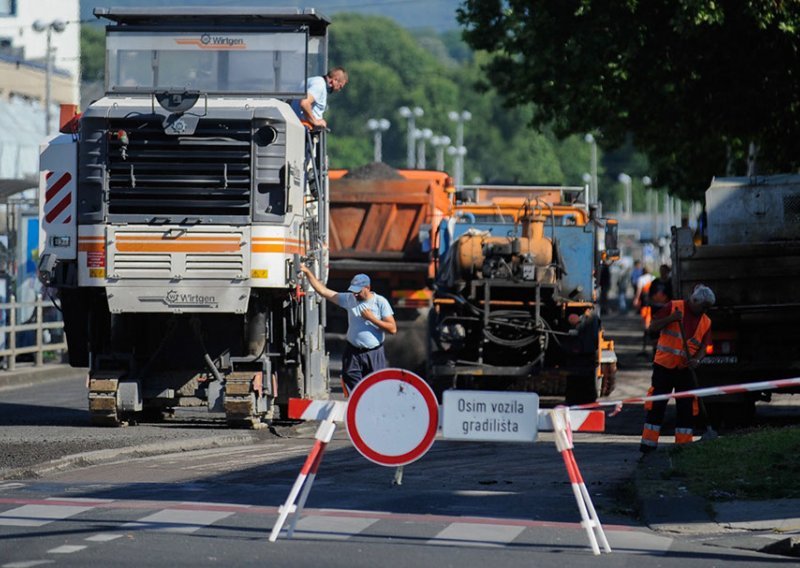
point(475, 534)
point(638, 542)
point(39, 515)
point(66, 549)
point(5, 486)
point(103, 537)
point(80, 500)
point(27, 563)
point(178, 521)
point(331, 528)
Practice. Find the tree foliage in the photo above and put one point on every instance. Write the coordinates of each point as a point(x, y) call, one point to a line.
point(389, 68)
point(694, 82)
point(92, 53)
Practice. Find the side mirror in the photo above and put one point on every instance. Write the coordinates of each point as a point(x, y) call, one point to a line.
point(611, 240)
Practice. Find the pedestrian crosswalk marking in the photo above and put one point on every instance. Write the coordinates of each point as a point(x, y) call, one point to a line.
point(66, 549)
point(636, 542)
point(318, 524)
point(39, 515)
point(476, 534)
point(103, 537)
point(178, 521)
point(331, 528)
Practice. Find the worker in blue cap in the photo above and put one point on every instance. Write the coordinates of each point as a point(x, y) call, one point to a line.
point(369, 319)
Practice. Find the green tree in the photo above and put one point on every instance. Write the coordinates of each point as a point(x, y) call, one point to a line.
point(694, 82)
point(93, 53)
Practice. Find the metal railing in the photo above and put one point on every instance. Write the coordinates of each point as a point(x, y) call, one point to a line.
point(43, 332)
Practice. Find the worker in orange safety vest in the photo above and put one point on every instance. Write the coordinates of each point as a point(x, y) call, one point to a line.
point(672, 369)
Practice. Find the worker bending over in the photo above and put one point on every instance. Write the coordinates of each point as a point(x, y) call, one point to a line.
point(684, 332)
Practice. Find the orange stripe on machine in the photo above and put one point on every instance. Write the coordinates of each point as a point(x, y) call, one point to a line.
point(278, 244)
point(91, 244)
point(186, 243)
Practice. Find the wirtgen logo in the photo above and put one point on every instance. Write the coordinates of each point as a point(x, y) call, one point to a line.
point(175, 298)
point(208, 41)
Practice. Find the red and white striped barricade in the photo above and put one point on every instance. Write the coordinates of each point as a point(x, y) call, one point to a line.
point(392, 418)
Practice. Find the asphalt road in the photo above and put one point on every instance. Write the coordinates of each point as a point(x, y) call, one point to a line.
point(192, 492)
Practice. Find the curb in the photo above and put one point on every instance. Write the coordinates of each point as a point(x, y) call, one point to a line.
point(665, 504)
point(102, 457)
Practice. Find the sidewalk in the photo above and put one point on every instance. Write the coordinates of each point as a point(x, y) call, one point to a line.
point(666, 505)
point(27, 373)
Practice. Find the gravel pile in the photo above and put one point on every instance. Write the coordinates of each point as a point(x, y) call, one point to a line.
point(375, 170)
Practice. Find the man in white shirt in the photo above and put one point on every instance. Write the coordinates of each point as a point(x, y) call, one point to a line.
point(311, 108)
point(369, 318)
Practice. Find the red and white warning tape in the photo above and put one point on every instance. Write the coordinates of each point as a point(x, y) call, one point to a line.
point(580, 420)
point(700, 393)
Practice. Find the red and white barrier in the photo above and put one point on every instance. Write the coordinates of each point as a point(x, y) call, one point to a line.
point(589, 519)
point(580, 420)
point(700, 393)
point(562, 420)
point(304, 481)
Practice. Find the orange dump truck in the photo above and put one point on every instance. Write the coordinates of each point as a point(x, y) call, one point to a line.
point(384, 222)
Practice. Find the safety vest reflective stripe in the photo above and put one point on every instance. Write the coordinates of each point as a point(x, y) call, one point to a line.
point(666, 349)
point(650, 435)
point(670, 349)
point(683, 436)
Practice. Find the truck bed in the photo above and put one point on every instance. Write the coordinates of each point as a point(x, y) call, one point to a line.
point(759, 276)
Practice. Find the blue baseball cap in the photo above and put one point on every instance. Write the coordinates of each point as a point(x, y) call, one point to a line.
point(359, 282)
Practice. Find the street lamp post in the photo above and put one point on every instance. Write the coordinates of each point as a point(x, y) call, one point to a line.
point(410, 114)
point(422, 135)
point(668, 211)
point(459, 118)
point(626, 180)
point(378, 126)
point(590, 139)
point(57, 26)
point(652, 205)
point(587, 180)
point(439, 144)
point(458, 153)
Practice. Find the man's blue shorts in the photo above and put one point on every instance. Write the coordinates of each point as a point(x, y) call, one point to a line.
point(358, 363)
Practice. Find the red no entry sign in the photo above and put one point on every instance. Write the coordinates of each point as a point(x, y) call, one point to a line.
point(392, 417)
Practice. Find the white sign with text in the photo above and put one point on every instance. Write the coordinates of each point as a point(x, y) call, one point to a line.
point(490, 416)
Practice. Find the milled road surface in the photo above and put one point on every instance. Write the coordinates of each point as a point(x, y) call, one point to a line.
point(48, 421)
